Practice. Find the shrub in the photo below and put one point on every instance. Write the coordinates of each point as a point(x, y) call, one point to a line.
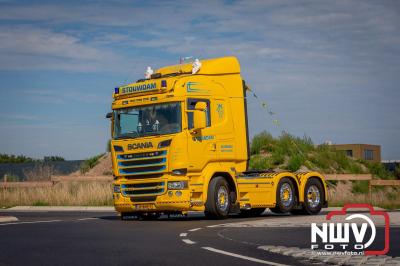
point(261, 142)
point(277, 158)
point(5, 158)
point(53, 159)
point(379, 170)
point(295, 162)
point(259, 162)
point(90, 163)
point(360, 187)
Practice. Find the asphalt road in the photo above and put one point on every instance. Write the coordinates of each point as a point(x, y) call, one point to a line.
point(87, 238)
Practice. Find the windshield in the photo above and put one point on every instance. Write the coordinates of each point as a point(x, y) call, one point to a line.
point(156, 119)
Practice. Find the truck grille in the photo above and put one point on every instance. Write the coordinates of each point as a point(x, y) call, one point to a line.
point(143, 189)
point(142, 163)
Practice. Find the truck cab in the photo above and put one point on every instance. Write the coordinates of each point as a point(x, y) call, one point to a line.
point(180, 143)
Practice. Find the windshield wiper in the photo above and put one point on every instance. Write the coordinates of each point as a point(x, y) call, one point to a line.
point(128, 135)
point(151, 133)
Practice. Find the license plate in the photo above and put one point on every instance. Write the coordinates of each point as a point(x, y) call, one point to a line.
point(144, 206)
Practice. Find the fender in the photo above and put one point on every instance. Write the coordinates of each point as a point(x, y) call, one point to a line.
point(215, 169)
point(303, 178)
point(290, 175)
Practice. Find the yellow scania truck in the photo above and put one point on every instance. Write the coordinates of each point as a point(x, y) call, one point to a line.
point(180, 143)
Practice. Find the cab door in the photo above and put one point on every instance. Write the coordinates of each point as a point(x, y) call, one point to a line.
point(202, 143)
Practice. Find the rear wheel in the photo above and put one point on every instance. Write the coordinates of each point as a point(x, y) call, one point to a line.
point(252, 212)
point(218, 199)
point(285, 196)
point(314, 196)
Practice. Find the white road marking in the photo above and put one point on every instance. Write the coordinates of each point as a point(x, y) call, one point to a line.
point(194, 229)
point(243, 257)
point(188, 241)
point(34, 222)
point(217, 225)
point(85, 219)
point(183, 234)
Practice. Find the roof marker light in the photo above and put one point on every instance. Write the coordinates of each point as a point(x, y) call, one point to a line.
point(163, 84)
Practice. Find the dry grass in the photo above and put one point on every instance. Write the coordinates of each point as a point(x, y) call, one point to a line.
point(81, 193)
point(388, 198)
point(61, 194)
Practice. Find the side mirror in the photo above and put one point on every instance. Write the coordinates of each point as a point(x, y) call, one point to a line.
point(109, 115)
point(199, 115)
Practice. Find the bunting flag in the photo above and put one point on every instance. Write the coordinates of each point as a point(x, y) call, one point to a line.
point(276, 122)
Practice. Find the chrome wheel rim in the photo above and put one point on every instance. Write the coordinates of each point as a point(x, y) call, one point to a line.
point(222, 198)
point(313, 196)
point(286, 194)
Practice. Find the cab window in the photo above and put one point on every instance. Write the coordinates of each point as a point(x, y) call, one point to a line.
point(191, 104)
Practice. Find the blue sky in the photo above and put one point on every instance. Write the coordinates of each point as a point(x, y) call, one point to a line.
point(329, 69)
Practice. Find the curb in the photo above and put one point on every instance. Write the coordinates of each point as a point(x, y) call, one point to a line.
point(59, 209)
point(4, 219)
point(329, 209)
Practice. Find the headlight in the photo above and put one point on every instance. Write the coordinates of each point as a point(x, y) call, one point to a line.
point(164, 144)
point(117, 189)
point(182, 171)
point(177, 184)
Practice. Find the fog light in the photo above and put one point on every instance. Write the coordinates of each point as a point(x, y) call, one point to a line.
point(170, 193)
point(117, 189)
point(178, 193)
point(177, 184)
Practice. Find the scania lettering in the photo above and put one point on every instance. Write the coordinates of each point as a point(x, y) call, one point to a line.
point(144, 145)
point(180, 143)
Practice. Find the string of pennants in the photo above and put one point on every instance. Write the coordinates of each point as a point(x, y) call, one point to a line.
point(265, 106)
point(275, 121)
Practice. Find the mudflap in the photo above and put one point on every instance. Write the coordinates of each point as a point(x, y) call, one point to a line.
point(235, 208)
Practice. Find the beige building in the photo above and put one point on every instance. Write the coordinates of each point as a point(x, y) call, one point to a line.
point(366, 152)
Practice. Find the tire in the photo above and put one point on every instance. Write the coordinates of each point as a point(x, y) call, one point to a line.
point(218, 199)
point(284, 202)
point(252, 212)
point(314, 194)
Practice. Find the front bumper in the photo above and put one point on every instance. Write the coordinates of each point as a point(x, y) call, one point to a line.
point(164, 200)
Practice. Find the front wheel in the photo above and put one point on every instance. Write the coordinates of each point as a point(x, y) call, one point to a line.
point(285, 196)
point(218, 199)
